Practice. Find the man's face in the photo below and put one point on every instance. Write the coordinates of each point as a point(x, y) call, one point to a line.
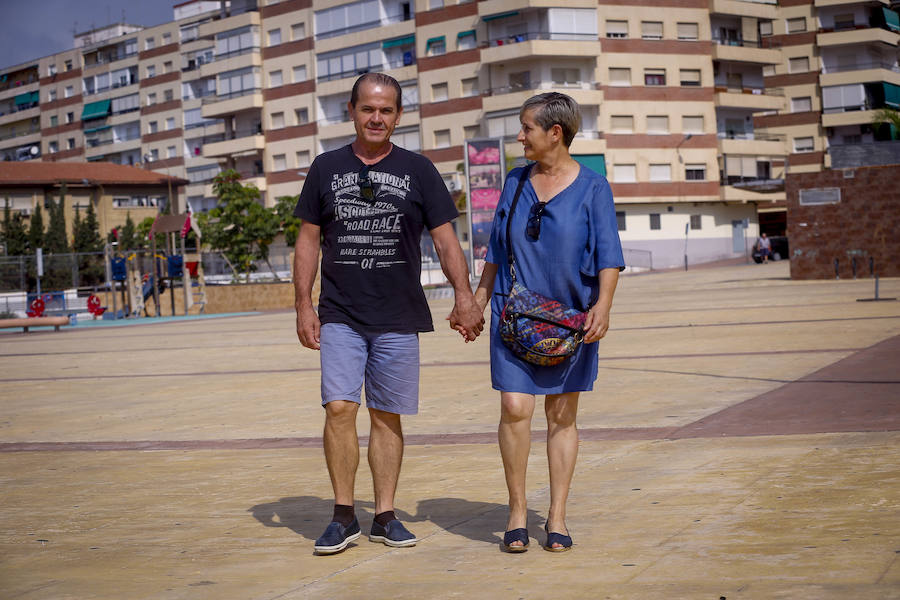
point(375, 115)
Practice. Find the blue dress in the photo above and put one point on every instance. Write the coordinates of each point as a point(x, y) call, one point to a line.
point(578, 238)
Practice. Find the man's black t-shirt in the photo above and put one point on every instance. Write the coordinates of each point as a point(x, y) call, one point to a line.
point(371, 260)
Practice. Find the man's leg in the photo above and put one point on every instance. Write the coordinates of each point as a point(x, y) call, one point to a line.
point(341, 448)
point(385, 457)
point(514, 434)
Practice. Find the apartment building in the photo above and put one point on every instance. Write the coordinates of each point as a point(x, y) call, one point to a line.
point(694, 109)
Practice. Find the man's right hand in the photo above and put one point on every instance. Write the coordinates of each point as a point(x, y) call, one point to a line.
point(308, 327)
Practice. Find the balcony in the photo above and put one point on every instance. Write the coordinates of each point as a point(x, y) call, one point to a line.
point(229, 104)
point(755, 99)
point(760, 9)
point(20, 133)
point(540, 43)
point(859, 73)
point(731, 143)
point(863, 35)
point(747, 51)
point(513, 96)
point(242, 143)
point(389, 20)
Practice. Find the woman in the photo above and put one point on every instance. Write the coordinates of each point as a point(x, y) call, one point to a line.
point(566, 246)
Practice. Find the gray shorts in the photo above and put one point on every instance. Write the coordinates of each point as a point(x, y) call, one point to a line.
point(388, 363)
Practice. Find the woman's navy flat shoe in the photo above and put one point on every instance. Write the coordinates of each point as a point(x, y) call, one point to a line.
point(516, 535)
point(564, 541)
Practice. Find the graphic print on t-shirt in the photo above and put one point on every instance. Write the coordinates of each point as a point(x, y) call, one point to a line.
point(372, 228)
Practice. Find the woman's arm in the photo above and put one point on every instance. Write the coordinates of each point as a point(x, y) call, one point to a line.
point(486, 285)
point(597, 322)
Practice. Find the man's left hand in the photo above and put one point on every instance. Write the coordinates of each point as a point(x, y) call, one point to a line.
point(467, 318)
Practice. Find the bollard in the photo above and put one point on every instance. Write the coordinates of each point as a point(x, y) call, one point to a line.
point(853, 266)
point(871, 266)
point(837, 274)
point(876, 287)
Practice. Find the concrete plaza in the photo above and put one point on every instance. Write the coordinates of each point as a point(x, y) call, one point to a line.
point(742, 441)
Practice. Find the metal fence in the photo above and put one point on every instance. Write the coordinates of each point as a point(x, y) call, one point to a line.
point(638, 260)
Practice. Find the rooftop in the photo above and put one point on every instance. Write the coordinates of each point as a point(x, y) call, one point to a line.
point(80, 173)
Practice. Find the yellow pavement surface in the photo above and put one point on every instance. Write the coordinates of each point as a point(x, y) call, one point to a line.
point(182, 460)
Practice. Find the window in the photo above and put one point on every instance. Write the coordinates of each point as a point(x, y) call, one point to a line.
point(624, 173)
point(54, 120)
point(275, 79)
point(237, 41)
point(170, 152)
point(51, 70)
point(274, 37)
point(154, 154)
point(301, 115)
point(696, 222)
point(439, 92)
point(279, 162)
point(651, 30)
point(238, 82)
point(695, 173)
point(338, 20)
point(796, 25)
point(688, 31)
point(504, 124)
point(170, 123)
point(661, 172)
point(70, 144)
point(621, 124)
point(689, 77)
point(303, 159)
point(620, 220)
point(433, 4)
point(348, 62)
point(692, 124)
point(657, 124)
point(68, 65)
point(565, 77)
point(470, 132)
point(843, 22)
point(617, 29)
point(277, 120)
point(51, 95)
point(52, 147)
point(655, 221)
point(803, 144)
point(442, 138)
point(166, 39)
point(436, 46)
point(168, 95)
point(298, 31)
point(801, 104)
point(520, 80)
point(469, 86)
point(151, 98)
point(654, 77)
point(152, 127)
point(69, 91)
point(799, 64)
point(70, 117)
point(151, 71)
point(300, 74)
point(149, 43)
point(620, 77)
point(765, 28)
point(465, 40)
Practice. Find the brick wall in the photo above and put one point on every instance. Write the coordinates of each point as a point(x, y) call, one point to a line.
point(862, 225)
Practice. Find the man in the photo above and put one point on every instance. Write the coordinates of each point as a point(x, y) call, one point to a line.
point(368, 203)
point(764, 247)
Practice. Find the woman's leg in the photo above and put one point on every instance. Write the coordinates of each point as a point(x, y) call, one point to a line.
point(562, 450)
point(514, 434)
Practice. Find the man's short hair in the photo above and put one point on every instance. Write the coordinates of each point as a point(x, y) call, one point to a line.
point(552, 109)
point(377, 79)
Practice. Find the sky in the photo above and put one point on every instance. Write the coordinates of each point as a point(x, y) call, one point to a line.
point(32, 29)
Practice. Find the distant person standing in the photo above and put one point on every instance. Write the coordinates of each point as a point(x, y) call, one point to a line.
point(764, 247)
point(365, 205)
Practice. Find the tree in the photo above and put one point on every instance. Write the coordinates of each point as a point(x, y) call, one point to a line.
point(290, 225)
point(141, 239)
point(14, 236)
point(56, 240)
point(127, 235)
point(239, 227)
point(36, 229)
point(86, 234)
point(888, 116)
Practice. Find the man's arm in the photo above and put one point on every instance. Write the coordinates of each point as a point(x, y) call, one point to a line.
point(306, 263)
point(466, 316)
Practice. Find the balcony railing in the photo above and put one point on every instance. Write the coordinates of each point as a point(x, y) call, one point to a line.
point(860, 67)
point(363, 26)
point(750, 136)
point(5, 85)
point(14, 134)
point(543, 35)
point(740, 42)
point(19, 108)
point(239, 52)
point(109, 58)
point(386, 66)
point(541, 85)
point(220, 97)
point(244, 132)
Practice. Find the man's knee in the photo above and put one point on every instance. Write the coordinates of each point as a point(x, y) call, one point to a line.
point(338, 411)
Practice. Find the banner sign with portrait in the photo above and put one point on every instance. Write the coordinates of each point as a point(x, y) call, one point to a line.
point(485, 172)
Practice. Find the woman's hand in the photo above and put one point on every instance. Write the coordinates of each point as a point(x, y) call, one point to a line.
point(596, 324)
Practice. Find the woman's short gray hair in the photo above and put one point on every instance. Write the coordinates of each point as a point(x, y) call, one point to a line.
point(552, 109)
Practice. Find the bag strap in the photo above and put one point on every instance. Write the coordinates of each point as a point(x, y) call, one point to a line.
point(510, 258)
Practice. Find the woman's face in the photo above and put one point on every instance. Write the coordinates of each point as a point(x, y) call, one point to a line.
point(533, 138)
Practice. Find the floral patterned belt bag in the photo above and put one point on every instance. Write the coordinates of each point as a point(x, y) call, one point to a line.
point(537, 329)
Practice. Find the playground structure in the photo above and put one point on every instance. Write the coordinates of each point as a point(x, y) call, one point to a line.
point(136, 277)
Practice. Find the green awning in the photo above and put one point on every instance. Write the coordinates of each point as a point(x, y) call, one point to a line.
point(96, 129)
point(436, 40)
point(499, 16)
point(96, 158)
point(463, 34)
point(404, 41)
point(892, 94)
point(26, 98)
point(95, 110)
point(891, 19)
point(594, 162)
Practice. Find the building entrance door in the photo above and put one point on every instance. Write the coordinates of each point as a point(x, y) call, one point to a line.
point(737, 236)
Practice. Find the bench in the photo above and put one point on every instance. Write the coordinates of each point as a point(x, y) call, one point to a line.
point(54, 322)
